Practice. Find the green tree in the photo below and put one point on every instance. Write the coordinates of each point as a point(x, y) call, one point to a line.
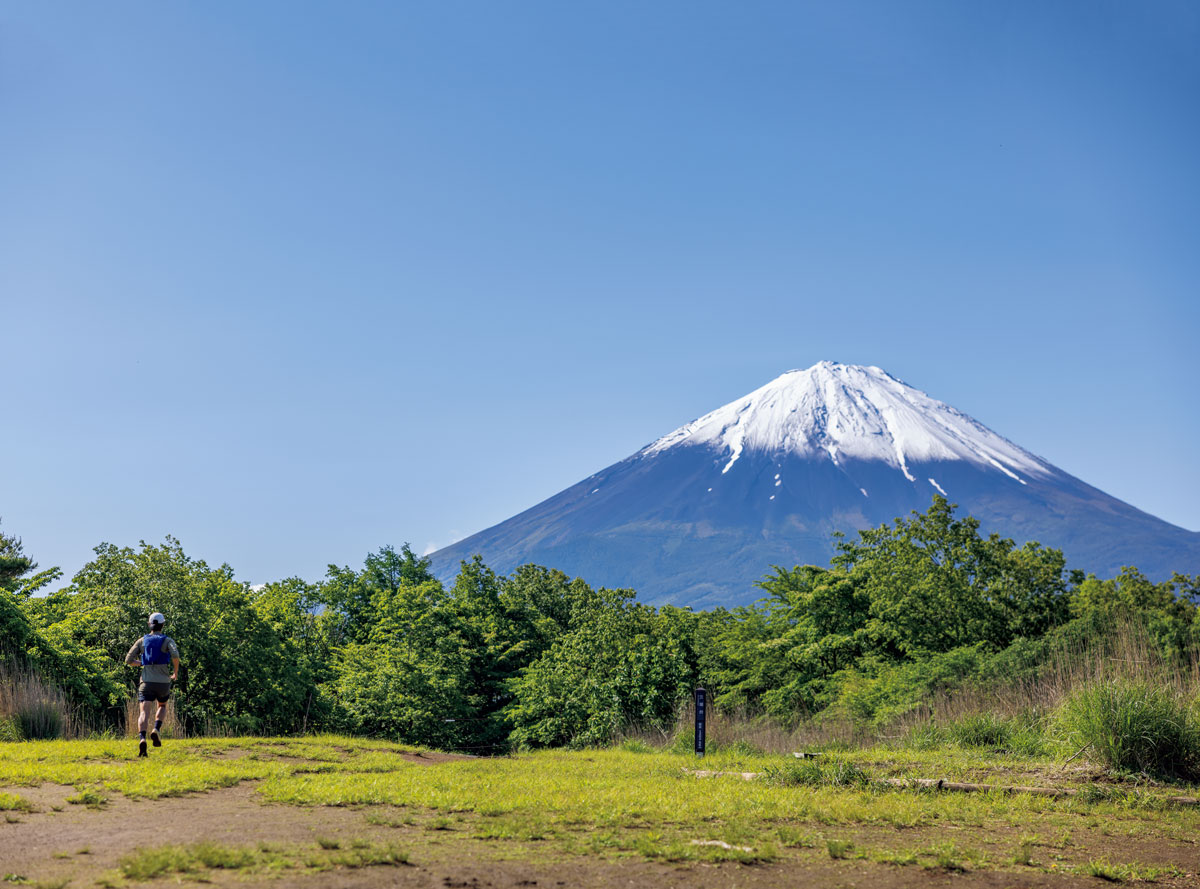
point(28, 638)
point(349, 594)
point(935, 584)
point(620, 664)
point(784, 649)
point(927, 589)
point(541, 603)
point(409, 680)
point(15, 566)
point(1167, 608)
point(241, 671)
point(13, 562)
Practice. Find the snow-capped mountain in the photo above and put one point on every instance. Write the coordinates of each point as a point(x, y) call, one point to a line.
point(699, 515)
point(850, 412)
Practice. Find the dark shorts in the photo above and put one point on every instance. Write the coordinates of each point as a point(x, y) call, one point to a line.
point(154, 691)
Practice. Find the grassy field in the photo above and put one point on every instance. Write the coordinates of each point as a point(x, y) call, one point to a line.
point(396, 806)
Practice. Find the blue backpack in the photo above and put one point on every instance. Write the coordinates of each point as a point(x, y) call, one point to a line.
point(154, 649)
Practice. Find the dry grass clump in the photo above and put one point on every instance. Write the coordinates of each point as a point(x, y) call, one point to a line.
point(172, 727)
point(32, 709)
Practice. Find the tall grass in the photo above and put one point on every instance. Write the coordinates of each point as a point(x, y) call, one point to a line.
point(1135, 726)
point(1022, 706)
point(172, 727)
point(32, 709)
point(1033, 688)
point(1024, 734)
point(739, 731)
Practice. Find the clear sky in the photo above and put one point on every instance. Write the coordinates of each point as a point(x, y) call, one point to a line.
point(292, 281)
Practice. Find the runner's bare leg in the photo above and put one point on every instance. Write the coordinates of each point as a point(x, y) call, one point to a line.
point(144, 715)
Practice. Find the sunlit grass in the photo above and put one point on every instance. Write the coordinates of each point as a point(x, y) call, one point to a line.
point(12, 802)
point(182, 767)
point(197, 859)
point(628, 802)
point(597, 789)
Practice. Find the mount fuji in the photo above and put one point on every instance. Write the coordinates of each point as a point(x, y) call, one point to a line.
point(696, 517)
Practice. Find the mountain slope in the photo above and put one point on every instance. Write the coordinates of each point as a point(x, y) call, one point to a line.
point(699, 515)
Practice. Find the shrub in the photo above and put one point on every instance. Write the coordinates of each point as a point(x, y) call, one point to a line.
point(1135, 726)
point(897, 689)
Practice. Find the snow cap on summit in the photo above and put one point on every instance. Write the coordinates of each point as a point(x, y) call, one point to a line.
point(848, 411)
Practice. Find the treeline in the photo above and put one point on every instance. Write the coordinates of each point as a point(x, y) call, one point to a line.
point(536, 658)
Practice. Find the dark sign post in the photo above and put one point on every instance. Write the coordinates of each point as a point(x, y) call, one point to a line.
point(701, 719)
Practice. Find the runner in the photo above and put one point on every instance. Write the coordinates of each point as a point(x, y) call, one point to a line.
point(159, 660)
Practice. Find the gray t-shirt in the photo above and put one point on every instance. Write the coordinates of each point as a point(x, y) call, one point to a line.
point(153, 672)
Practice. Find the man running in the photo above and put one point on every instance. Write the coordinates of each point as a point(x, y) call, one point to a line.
point(159, 659)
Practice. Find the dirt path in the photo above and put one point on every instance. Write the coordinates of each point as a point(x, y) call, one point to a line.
point(232, 816)
point(81, 845)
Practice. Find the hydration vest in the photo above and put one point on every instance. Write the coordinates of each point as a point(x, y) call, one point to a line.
point(154, 649)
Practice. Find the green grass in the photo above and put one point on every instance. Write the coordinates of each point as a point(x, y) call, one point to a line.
point(197, 859)
point(1135, 727)
point(183, 767)
point(898, 858)
point(839, 848)
point(817, 773)
point(985, 732)
point(11, 802)
point(19, 880)
point(998, 734)
point(946, 856)
point(90, 798)
point(1121, 873)
point(625, 802)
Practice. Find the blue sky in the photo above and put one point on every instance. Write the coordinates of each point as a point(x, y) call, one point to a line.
point(294, 281)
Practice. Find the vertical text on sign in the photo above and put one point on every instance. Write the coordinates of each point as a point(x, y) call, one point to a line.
point(701, 719)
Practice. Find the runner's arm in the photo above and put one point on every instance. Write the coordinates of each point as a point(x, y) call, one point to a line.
point(134, 658)
point(173, 651)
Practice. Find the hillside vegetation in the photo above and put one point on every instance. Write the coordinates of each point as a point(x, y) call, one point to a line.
point(916, 625)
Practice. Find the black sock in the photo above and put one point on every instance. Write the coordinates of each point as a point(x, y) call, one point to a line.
point(157, 724)
point(141, 736)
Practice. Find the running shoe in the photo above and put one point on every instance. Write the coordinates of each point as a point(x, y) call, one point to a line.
point(141, 748)
point(154, 738)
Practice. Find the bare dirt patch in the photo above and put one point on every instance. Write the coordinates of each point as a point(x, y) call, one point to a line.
point(419, 757)
point(81, 845)
point(232, 816)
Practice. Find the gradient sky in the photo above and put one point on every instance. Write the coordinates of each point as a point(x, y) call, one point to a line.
point(294, 281)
